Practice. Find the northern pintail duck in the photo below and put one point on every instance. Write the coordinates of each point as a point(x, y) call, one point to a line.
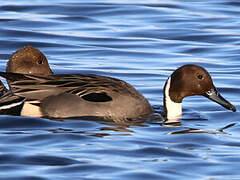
point(71, 95)
point(27, 60)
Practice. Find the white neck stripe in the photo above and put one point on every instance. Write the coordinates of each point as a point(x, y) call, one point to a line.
point(173, 110)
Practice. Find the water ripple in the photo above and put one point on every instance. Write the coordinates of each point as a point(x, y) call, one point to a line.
point(141, 43)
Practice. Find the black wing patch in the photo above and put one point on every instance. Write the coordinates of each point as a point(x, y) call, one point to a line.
point(97, 97)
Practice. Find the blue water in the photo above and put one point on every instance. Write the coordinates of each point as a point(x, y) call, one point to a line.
point(141, 42)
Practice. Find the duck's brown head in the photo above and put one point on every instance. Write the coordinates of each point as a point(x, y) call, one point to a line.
point(190, 80)
point(28, 60)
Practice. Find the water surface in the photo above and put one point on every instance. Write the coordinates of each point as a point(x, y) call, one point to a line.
point(141, 43)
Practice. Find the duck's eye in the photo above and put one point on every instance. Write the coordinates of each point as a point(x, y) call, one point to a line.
point(200, 76)
point(40, 62)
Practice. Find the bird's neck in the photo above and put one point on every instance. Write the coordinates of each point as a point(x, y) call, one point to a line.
point(172, 109)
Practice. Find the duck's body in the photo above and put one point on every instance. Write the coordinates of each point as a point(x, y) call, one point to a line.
point(63, 96)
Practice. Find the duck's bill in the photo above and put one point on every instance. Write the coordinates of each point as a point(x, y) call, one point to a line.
point(215, 96)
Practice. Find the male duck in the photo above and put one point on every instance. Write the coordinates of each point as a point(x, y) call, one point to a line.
point(27, 60)
point(71, 95)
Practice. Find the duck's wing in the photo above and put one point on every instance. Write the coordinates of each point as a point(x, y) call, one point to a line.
point(11, 104)
point(30, 87)
point(3, 89)
point(90, 87)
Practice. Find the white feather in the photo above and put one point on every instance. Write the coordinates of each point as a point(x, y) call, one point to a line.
point(174, 110)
